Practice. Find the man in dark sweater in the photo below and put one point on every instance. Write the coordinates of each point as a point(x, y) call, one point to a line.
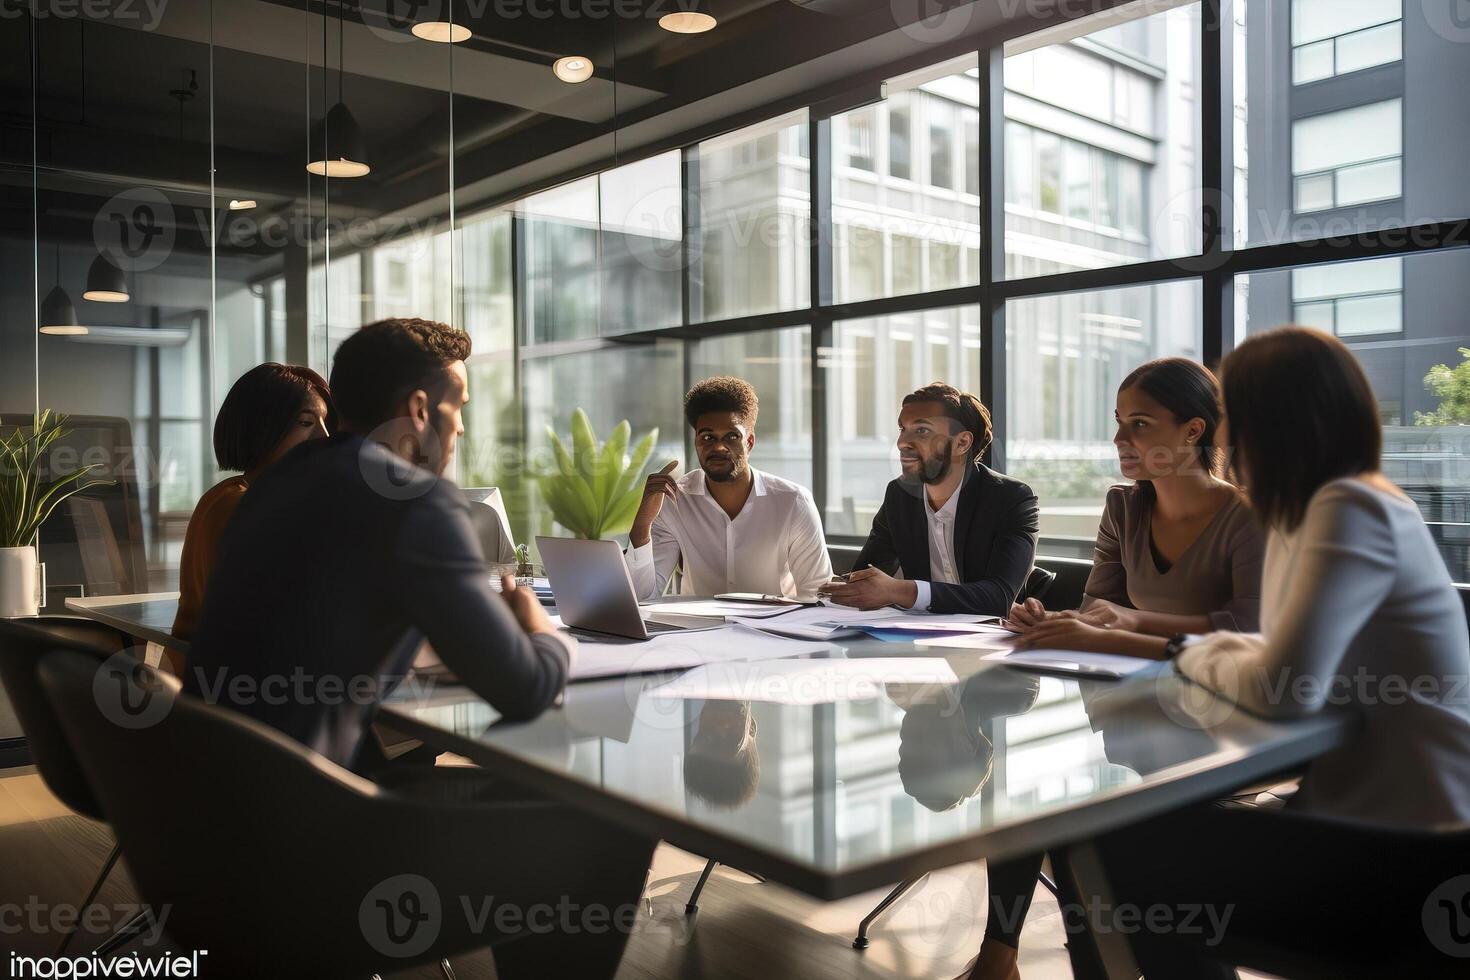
point(343, 557)
point(337, 564)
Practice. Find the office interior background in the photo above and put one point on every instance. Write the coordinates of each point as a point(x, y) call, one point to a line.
point(1025, 203)
point(837, 201)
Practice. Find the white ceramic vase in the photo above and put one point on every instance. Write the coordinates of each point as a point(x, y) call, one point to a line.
point(19, 582)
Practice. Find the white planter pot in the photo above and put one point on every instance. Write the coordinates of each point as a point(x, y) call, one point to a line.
point(19, 582)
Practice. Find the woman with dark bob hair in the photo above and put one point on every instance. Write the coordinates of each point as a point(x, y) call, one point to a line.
point(1178, 551)
point(1358, 614)
point(270, 410)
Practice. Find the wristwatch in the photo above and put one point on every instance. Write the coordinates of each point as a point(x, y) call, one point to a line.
point(1175, 646)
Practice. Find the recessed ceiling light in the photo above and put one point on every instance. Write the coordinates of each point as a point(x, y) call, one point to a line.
point(573, 68)
point(239, 205)
point(687, 22)
point(441, 32)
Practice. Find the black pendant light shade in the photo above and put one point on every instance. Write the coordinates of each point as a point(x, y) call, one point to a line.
point(105, 282)
point(337, 146)
point(59, 316)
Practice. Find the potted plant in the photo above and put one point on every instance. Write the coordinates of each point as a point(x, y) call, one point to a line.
point(26, 500)
point(594, 491)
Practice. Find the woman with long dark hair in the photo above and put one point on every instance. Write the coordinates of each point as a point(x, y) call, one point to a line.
point(1359, 613)
point(269, 411)
point(1178, 551)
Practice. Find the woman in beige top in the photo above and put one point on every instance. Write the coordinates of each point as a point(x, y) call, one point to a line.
point(1178, 550)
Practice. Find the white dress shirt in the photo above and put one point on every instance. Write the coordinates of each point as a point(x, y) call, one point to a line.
point(942, 566)
point(773, 546)
point(1358, 614)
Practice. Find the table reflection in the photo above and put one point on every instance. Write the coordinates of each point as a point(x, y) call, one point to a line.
point(848, 781)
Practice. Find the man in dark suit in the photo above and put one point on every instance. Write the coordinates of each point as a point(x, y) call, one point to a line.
point(962, 535)
point(337, 564)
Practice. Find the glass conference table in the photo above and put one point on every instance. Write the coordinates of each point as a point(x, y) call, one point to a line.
point(868, 763)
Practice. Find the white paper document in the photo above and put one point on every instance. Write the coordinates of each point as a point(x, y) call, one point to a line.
point(670, 651)
point(805, 682)
point(1105, 665)
point(722, 608)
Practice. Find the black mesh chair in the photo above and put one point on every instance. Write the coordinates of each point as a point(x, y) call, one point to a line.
point(21, 648)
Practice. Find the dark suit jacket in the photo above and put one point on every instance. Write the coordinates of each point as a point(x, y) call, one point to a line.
point(338, 562)
point(996, 523)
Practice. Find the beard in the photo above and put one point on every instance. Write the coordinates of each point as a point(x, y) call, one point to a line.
point(736, 470)
point(932, 468)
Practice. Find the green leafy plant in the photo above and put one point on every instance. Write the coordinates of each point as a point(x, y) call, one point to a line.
point(594, 491)
point(1451, 385)
point(26, 500)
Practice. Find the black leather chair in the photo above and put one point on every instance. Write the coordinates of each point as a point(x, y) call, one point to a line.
point(21, 648)
point(334, 857)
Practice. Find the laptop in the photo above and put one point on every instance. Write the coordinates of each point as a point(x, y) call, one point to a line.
point(594, 592)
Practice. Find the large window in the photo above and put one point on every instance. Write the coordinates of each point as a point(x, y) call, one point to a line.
point(1403, 319)
point(614, 290)
point(1066, 356)
point(871, 365)
point(895, 235)
point(754, 221)
point(1102, 144)
point(1361, 142)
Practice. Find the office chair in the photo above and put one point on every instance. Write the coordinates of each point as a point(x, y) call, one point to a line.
point(187, 796)
point(21, 648)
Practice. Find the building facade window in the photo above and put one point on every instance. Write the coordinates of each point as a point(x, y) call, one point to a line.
point(1349, 157)
point(1337, 37)
point(1351, 300)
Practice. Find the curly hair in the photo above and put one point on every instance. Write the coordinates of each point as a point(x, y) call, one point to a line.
point(722, 394)
point(377, 367)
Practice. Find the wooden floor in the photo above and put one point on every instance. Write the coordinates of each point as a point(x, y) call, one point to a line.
point(744, 929)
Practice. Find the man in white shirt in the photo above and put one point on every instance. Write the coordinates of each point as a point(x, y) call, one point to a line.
point(730, 527)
